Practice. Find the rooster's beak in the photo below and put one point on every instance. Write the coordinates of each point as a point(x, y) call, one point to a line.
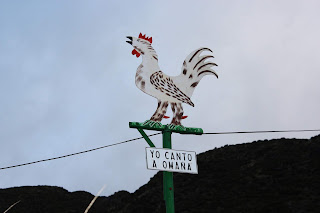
point(130, 42)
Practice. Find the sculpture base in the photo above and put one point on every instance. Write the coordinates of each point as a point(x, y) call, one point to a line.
point(151, 125)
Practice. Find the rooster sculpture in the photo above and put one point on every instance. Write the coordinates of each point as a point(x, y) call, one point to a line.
point(173, 90)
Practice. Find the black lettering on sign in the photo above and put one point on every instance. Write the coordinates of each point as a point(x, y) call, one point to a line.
point(177, 165)
point(189, 157)
point(157, 154)
point(184, 156)
point(154, 165)
point(172, 156)
point(152, 153)
point(178, 156)
point(170, 165)
point(183, 166)
point(189, 166)
point(165, 155)
point(164, 164)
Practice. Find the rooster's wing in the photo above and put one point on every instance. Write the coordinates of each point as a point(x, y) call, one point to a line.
point(168, 88)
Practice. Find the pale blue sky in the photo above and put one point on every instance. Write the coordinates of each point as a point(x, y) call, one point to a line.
point(67, 81)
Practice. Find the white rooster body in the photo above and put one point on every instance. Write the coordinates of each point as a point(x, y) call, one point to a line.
point(169, 89)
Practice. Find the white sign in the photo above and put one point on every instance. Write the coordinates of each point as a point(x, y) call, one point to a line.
point(172, 160)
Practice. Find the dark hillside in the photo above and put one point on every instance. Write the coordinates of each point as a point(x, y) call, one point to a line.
point(281, 175)
point(265, 176)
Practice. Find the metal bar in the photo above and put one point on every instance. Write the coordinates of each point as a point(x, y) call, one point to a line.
point(145, 136)
point(157, 127)
point(160, 127)
point(168, 190)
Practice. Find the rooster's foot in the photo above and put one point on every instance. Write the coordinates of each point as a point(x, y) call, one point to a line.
point(152, 123)
point(176, 127)
point(171, 126)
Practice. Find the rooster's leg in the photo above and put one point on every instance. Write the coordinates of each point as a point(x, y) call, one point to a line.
point(160, 112)
point(177, 113)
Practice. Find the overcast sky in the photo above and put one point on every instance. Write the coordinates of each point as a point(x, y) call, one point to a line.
point(67, 82)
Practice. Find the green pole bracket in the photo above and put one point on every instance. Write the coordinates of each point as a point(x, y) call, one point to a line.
point(145, 136)
point(167, 130)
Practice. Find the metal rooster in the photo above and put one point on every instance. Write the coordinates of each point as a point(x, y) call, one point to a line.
point(169, 89)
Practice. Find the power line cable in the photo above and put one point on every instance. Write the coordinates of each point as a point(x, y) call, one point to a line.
point(206, 133)
point(267, 131)
point(77, 153)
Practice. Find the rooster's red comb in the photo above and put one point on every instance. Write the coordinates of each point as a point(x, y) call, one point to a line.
point(145, 37)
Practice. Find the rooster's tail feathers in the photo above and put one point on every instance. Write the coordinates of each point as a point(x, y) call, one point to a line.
point(194, 68)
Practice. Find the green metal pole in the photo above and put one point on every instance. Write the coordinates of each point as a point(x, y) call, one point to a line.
point(168, 190)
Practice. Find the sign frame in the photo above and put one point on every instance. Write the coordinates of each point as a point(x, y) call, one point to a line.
point(194, 161)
